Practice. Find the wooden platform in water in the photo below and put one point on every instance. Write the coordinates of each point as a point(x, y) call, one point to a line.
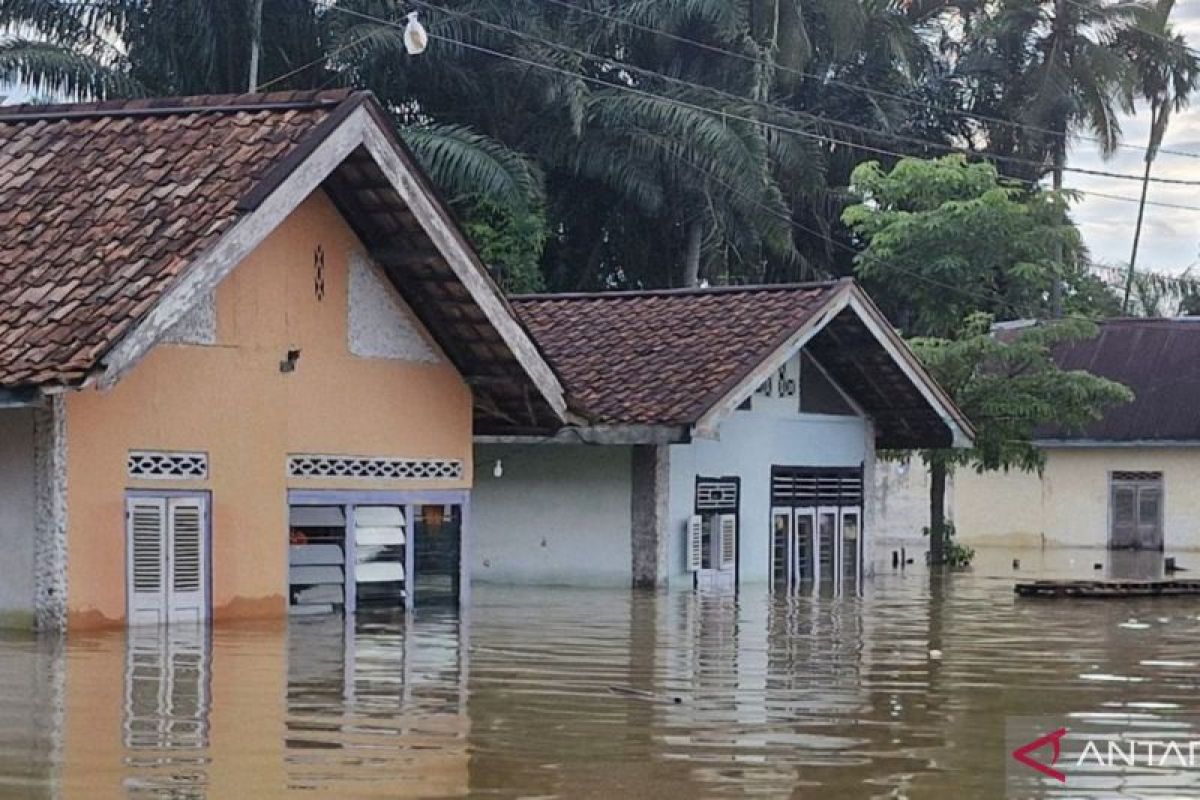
point(1107, 588)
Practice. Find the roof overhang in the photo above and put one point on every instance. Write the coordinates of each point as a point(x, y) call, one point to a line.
point(857, 347)
point(599, 434)
point(357, 158)
point(1100, 444)
point(25, 397)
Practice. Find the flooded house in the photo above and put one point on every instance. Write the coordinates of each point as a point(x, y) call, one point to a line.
point(244, 348)
point(1125, 482)
point(731, 440)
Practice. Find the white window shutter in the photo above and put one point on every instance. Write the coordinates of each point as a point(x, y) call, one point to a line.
point(727, 524)
point(188, 559)
point(146, 560)
point(695, 543)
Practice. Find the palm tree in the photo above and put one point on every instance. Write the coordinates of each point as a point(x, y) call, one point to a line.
point(1047, 70)
point(1164, 72)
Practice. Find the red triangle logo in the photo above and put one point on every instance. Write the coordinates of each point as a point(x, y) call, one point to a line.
point(1054, 740)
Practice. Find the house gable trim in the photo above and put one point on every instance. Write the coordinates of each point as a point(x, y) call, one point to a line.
point(293, 181)
point(849, 296)
point(706, 427)
point(207, 272)
point(961, 431)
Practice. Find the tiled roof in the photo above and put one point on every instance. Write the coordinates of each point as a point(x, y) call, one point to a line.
point(662, 358)
point(102, 205)
point(1159, 360)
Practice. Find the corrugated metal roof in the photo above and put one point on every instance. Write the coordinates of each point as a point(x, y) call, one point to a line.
point(1159, 360)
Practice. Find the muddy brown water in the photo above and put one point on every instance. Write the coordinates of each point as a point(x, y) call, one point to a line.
point(605, 694)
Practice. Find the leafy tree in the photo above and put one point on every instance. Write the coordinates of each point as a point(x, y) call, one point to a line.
point(950, 248)
point(945, 238)
point(1008, 384)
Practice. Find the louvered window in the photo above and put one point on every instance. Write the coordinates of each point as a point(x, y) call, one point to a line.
point(186, 540)
point(167, 559)
point(727, 526)
point(717, 495)
point(816, 486)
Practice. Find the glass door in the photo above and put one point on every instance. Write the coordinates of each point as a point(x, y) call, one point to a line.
point(851, 548)
point(782, 552)
point(828, 540)
point(437, 554)
point(804, 546)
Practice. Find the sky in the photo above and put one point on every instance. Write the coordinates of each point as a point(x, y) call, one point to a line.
point(1170, 237)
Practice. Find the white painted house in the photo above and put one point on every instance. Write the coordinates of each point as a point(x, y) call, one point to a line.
point(729, 436)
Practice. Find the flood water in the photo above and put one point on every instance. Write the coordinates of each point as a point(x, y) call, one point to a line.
point(605, 694)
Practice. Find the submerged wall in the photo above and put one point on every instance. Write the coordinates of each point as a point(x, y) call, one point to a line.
point(17, 517)
point(1068, 505)
point(559, 515)
point(751, 442)
point(223, 393)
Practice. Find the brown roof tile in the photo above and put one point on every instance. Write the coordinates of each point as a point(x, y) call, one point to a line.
point(662, 358)
point(103, 204)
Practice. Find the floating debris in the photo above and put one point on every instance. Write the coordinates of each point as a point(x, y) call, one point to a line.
point(642, 694)
point(1108, 588)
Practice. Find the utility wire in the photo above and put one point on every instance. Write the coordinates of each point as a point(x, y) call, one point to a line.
point(857, 87)
point(693, 106)
point(539, 65)
point(633, 69)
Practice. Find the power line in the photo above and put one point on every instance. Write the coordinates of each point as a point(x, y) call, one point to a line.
point(734, 190)
point(634, 69)
point(695, 107)
point(851, 85)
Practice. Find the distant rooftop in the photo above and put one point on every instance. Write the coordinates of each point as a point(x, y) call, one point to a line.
point(1159, 360)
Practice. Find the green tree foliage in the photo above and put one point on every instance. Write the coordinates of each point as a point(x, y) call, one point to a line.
point(947, 238)
point(663, 141)
point(930, 225)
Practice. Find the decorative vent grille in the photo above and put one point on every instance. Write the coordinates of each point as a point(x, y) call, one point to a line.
point(311, 466)
point(804, 486)
point(167, 465)
point(1137, 476)
point(716, 495)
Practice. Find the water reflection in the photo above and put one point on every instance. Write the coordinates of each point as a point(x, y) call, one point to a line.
point(903, 691)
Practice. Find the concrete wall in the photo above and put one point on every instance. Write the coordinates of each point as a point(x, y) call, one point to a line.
point(902, 506)
point(1068, 505)
point(751, 442)
point(232, 401)
point(17, 514)
point(559, 515)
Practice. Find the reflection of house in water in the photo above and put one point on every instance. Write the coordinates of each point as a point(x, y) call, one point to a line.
point(316, 708)
point(377, 707)
point(166, 721)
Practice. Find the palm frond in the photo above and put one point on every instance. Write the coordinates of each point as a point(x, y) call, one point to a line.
point(462, 162)
point(56, 70)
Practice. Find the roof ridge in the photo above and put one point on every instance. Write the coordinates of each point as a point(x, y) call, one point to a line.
point(183, 104)
point(683, 292)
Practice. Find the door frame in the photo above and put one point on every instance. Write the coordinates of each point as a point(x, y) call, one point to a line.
point(844, 512)
point(1137, 485)
point(387, 497)
point(203, 495)
point(734, 511)
point(789, 515)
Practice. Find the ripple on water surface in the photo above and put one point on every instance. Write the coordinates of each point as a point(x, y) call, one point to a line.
point(901, 692)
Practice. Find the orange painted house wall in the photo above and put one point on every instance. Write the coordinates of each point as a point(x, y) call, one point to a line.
point(231, 401)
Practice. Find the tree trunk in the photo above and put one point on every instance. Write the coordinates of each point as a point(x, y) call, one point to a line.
point(937, 512)
point(1137, 237)
point(255, 43)
point(691, 263)
point(1060, 160)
